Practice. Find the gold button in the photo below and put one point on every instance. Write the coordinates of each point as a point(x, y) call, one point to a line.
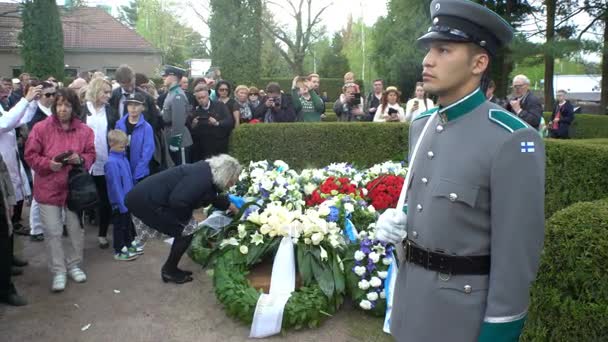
point(468, 289)
point(453, 197)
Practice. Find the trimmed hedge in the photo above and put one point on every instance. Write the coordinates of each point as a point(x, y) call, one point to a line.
point(304, 145)
point(586, 126)
point(570, 296)
point(576, 169)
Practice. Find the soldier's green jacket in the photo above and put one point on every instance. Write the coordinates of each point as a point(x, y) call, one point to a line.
point(175, 112)
point(477, 189)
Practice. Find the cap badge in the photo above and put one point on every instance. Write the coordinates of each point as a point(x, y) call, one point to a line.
point(437, 6)
point(482, 43)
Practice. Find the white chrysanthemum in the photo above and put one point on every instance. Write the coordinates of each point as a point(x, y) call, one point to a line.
point(360, 270)
point(363, 285)
point(372, 296)
point(375, 282)
point(359, 255)
point(382, 274)
point(365, 305)
point(374, 257)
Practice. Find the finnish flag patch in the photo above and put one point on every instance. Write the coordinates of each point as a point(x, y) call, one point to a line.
point(527, 147)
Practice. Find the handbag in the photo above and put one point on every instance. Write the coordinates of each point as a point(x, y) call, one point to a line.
point(82, 192)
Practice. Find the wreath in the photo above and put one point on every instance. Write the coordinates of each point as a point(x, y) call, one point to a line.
point(307, 307)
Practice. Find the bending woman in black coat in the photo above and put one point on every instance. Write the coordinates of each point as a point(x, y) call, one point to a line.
point(165, 202)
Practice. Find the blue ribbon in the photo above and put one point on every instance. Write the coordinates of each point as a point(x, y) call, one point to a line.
point(350, 230)
point(392, 270)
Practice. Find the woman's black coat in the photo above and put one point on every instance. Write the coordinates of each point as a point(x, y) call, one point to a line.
point(166, 200)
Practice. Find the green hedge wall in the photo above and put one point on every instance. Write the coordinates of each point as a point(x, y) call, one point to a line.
point(576, 169)
point(587, 126)
point(305, 145)
point(570, 296)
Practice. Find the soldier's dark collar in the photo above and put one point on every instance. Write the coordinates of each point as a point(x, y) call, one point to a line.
point(462, 106)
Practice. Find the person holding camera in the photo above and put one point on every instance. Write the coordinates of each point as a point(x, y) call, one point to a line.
point(309, 106)
point(419, 104)
point(389, 109)
point(210, 126)
point(275, 106)
point(349, 106)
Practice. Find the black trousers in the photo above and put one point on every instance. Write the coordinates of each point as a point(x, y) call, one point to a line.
point(123, 231)
point(6, 258)
point(18, 211)
point(177, 156)
point(104, 210)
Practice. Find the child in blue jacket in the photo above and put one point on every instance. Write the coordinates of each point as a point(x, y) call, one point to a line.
point(140, 135)
point(120, 182)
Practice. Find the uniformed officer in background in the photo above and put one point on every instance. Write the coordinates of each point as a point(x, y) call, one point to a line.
point(175, 112)
point(473, 229)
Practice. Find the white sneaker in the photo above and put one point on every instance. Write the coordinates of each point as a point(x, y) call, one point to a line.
point(77, 275)
point(59, 281)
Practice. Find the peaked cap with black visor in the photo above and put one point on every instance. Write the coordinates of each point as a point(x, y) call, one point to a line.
point(467, 22)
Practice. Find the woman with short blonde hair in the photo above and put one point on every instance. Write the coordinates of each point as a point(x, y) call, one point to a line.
point(101, 118)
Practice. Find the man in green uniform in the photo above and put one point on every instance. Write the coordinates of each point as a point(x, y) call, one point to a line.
point(473, 228)
point(175, 112)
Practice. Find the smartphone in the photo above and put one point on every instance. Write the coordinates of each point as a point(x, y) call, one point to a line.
point(392, 111)
point(357, 100)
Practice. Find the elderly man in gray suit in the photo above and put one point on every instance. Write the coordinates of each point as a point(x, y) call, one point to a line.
point(473, 228)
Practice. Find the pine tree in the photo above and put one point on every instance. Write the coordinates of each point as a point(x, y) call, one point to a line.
point(334, 63)
point(128, 13)
point(42, 39)
point(236, 39)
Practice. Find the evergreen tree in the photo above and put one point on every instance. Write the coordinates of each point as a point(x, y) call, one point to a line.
point(334, 63)
point(128, 13)
point(42, 39)
point(236, 39)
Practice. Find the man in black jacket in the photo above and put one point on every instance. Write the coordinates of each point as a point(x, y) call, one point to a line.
point(523, 103)
point(126, 78)
point(210, 126)
point(275, 106)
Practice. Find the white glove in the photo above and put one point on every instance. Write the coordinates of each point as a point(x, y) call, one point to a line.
point(173, 148)
point(391, 226)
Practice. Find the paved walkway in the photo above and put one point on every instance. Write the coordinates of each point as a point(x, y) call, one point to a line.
point(145, 309)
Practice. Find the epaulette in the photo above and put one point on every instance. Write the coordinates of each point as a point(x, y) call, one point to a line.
point(426, 114)
point(506, 120)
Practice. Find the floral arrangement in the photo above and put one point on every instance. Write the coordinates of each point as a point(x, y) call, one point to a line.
point(384, 191)
point(333, 186)
point(369, 271)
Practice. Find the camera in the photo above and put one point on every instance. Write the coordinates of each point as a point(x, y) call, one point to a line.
point(357, 100)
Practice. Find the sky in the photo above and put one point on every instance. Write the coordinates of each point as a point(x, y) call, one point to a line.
point(334, 18)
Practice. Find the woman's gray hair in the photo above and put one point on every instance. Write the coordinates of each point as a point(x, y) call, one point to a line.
point(224, 169)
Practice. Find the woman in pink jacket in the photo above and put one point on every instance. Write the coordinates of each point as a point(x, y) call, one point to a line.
point(60, 134)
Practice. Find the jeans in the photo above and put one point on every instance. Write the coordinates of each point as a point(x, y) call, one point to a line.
point(62, 258)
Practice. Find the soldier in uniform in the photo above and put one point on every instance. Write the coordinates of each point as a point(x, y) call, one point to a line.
point(175, 112)
point(473, 234)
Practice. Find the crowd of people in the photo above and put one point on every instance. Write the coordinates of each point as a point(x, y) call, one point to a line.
point(124, 130)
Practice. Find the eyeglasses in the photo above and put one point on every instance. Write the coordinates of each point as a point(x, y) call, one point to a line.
point(518, 86)
point(49, 94)
point(223, 89)
point(253, 94)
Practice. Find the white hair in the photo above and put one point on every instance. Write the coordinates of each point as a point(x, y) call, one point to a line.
point(224, 169)
point(522, 78)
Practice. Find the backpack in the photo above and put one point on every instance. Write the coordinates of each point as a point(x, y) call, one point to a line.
point(82, 192)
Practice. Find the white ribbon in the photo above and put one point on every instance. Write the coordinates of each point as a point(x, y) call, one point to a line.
point(389, 287)
point(268, 316)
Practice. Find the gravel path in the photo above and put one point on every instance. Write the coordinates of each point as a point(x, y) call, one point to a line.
point(145, 309)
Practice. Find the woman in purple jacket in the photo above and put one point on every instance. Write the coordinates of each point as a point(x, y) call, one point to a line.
point(140, 148)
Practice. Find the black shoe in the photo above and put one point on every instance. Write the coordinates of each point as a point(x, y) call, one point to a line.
point(186, 272)
point(16, 271)
point(19, 229)
point(17, 261)
point(37, 237)
point(14, 299)
point(178, 278)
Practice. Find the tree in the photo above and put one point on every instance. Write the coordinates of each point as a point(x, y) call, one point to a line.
point(177, 42)
point(41, 39)
point(128, 13)
point(294, 46)
point(549, 56)
point(358, 52)
point(396, 56)
point(334, 63)
point(236, 38)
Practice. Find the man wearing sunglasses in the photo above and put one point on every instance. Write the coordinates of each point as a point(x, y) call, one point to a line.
point(523, 103)
point(469, 239)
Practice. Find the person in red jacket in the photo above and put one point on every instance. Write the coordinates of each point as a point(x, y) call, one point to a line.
point(53, 148)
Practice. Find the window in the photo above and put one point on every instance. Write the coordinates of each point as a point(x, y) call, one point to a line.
point(16, 71)
point(70, 72)
point(110, 72)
